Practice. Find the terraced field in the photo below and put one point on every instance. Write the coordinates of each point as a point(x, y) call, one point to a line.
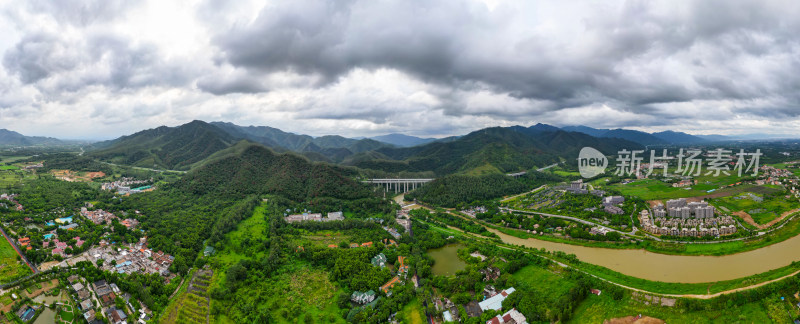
point(192, 305)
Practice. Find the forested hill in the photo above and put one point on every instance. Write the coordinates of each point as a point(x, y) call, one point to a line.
point(166, 147)
point(493, 150)
point(8, 137)
point(452, 190)
point(250, 168)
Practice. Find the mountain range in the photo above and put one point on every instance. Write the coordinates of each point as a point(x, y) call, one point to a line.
point(644, 138)
point(490, 150)
point(8, 137)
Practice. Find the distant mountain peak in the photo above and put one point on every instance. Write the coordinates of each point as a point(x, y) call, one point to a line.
point(402, 140)
point(9, 137)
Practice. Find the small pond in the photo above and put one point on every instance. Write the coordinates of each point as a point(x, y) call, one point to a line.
point(447, 261)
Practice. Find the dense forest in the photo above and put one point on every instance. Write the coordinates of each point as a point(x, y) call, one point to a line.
point(254, 169)
point(453, 190)
point(70, 161)
point(210, 200)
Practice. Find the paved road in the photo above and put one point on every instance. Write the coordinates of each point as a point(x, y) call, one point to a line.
point(547, 167)
point(574, 219)
point(524, 193)
point(141, 168)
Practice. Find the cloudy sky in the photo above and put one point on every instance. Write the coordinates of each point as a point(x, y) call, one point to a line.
point(100, 69)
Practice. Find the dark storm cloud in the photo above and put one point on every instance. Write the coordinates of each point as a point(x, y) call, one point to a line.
point(631, 55)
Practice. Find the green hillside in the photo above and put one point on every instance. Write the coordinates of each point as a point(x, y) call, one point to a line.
point(254, 169)
point(164, 147)
point(497, 149)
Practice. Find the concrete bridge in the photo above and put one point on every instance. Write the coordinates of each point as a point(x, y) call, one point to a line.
point(398, 185)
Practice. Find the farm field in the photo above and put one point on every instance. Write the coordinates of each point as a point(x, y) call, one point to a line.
point(10, 267)
point(322, 238)
point(762, 208)
point(192, 304)
point(13, 158)
point(652, 189)
point(12, 177)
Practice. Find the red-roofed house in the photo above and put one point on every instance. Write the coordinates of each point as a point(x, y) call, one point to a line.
point(24, 241)
point(403, 267)
point(367, 244)
point(385, 288)
point(511, 317)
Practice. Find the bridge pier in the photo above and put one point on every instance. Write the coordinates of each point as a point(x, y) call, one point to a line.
point(398, 185)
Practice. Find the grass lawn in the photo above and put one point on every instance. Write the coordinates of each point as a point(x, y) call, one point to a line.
point(9, 167)
point(66, 315)
point(10, 268)
point(596, 309)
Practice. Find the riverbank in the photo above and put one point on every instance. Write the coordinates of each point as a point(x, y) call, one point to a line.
point(676, 275)
point(707, 248)
point(697, 290)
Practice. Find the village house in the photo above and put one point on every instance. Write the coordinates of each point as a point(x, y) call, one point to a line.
point(314, 217)
point(402, 268)
point(362, 297)
point(496, 302)
point(510, 317)
point(379, 260)
point(490, 273)
point(388, 285)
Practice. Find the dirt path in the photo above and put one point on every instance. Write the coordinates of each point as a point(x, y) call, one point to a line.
point(634, 320)
point(749, 219)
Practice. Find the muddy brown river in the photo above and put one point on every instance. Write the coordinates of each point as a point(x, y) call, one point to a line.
point(675, 268)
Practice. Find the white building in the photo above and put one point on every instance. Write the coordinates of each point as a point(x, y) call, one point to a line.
point(496, 302)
